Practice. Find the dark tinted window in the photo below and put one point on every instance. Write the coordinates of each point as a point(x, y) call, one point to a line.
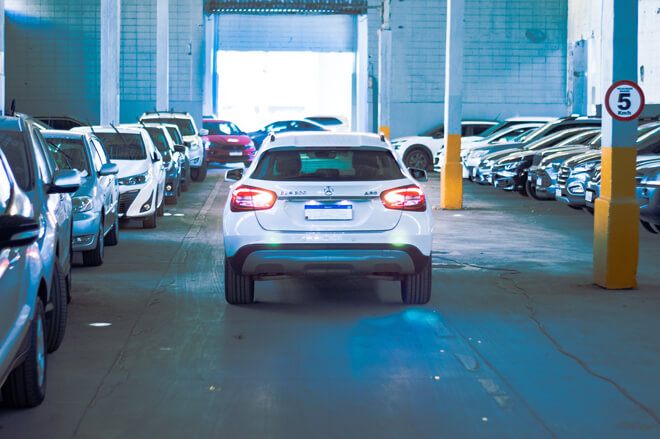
point(123, 146)
point(13, 145)
point(185, 126)
point(326, 164)
point(436, 132)
point(68, 153)
point(175, 135)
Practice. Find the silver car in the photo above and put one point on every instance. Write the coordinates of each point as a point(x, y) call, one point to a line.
point(95, 219)
point(22, 298)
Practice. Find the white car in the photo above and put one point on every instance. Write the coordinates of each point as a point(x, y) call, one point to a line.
point(192, 137)
point(419, 151)
point(334, 123)
point(502, 136)
point(141, 174)
point(327, 203)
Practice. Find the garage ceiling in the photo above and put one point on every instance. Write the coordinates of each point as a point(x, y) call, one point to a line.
point(350, 7)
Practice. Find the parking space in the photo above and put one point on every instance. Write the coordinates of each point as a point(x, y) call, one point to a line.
point(516, 340)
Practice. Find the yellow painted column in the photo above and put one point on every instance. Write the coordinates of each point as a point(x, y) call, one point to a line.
point(616, 221)
point(616, 211)
point(451, 179)
point(385, 131)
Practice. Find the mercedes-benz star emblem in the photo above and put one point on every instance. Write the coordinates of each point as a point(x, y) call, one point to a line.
point(328, 191)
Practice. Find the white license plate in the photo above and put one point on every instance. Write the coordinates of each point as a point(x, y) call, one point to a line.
point(539, 181)
point(235, 153)
point(589, 196)
point(319, 212)
point(558, 192)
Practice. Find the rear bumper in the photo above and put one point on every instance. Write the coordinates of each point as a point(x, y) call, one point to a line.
point(328, 259)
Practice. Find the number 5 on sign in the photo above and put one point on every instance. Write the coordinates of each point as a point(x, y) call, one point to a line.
point(624, 101)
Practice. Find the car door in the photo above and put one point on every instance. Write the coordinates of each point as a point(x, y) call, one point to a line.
point(12, 271)
point(105, 184)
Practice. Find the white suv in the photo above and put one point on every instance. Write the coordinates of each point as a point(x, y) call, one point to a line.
point(192, 137)
point(141, 175)
point(327, 204)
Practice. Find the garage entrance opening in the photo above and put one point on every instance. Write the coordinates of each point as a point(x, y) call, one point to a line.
point(256, 88)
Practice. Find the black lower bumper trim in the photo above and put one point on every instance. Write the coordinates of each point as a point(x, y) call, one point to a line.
point(419, 259)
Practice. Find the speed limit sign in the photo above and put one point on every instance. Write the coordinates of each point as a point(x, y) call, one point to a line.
point(624, 101)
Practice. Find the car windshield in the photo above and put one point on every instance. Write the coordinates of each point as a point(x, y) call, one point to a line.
point(185, 126)
point(436, 131)
point(222, 129)
point(69, 153)
point(495, 128)
point(123, 146)
point(327, 164)
point(175, 135)
point(13, 145)
point(158, 137)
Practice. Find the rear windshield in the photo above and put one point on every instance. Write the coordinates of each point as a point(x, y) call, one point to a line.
point(326, 164)
point(69, 153)
point(185, 126)
point(123, 146)
point(13, 145)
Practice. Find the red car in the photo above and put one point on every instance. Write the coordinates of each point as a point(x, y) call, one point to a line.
point(226, 143)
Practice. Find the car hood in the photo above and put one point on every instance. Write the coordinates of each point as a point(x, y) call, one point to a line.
point(498, 147)
point(497, 155)
point(87, 186)
point(561, 154)
point(582, 158)
point(221, 139)
point(128, 168)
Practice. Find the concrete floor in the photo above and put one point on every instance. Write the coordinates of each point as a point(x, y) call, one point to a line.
point(516, 341)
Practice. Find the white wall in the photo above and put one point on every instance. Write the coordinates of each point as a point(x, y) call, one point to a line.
point(584, 23)
point(515, 60)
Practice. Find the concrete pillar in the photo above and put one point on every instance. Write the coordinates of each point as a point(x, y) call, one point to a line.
point(110, 59)
point(361, 119)
point(451, 179)
point(384, 71)
point(616, 216)
point(209, 63)
point(2, 57)
point(163, 54)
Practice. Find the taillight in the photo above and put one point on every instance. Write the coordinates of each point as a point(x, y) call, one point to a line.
point(404, 198)
point(252, 198)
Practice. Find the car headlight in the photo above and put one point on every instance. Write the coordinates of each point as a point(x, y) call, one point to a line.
point(585, 168)
point(134, 179)
point(512, 165)
point(81, 204)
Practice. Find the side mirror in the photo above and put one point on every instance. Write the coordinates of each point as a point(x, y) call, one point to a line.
point(180, 148)
point(203, 132)
point(108, 169)
point(17, 231)
point(234, 174)
point(65, 182)
point(418, 174)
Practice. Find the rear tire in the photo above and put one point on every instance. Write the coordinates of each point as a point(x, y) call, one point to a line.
point(416, 288)
point(26, 385)
point(160, 210)
point(94, 258)
point(56, 319)
point(239, 289)
point(185, 177)
point(150, 221)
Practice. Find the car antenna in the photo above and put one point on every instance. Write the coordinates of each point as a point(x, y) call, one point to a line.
point(12, 109)
point(90, 126)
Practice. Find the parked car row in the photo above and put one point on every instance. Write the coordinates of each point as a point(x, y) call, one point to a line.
point(560, 160)
point(63, 192)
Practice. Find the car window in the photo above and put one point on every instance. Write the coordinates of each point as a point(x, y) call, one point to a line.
point(5, 188)
point(276, 127)
point(175, 135)
point(45, 164)
point(326, 164)
point(100, 150)
point(123, 146)
point(467, 130)
point(185, 125)
point(158, 137)
point(13, 145)
point(478, 130)
point(435, 132)
point(96, 159)
point(69, 153)
point(221, 128)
